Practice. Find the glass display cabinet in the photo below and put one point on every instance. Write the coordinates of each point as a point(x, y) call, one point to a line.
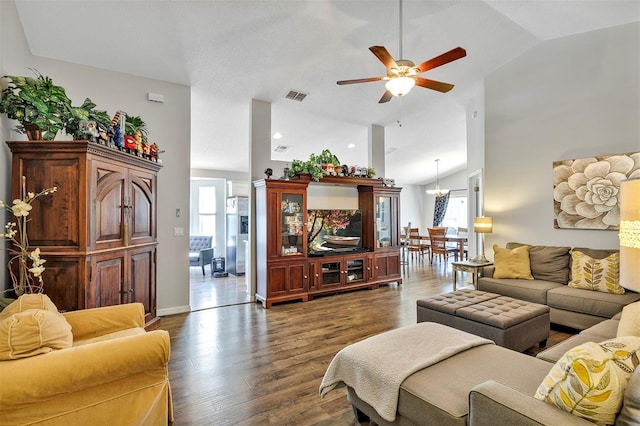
point(383, 221)
point(292, 233)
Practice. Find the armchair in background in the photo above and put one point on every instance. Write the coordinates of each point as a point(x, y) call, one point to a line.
point(201, 251)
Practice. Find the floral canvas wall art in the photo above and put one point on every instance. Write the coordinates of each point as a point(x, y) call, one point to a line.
point(586, 190)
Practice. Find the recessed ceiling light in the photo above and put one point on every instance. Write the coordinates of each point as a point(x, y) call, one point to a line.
point(351, 145)
point(277, 135)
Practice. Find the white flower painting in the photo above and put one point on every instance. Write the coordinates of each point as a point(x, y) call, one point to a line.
point(586, 191)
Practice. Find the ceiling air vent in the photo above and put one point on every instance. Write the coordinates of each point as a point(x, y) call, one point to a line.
point(281, 148)
point(295, 96)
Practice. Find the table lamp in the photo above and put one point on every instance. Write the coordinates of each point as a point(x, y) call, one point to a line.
point(482, 225)
point(630, 234)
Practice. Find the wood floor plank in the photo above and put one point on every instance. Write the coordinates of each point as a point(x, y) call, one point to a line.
point(244, 365)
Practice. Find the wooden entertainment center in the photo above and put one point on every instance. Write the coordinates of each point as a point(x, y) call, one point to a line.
point(286, 271)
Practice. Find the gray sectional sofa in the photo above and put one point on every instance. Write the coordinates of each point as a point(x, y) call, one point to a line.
point(551, 269)
point(492, 386)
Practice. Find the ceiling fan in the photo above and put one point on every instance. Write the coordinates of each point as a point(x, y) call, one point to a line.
point(402, 74)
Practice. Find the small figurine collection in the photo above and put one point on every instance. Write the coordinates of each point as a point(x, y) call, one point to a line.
point(124, 133)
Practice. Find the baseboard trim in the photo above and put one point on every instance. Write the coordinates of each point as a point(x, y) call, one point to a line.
point(173, 310)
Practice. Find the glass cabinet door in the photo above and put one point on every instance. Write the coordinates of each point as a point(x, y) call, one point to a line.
point(292, 226)
point(383, 221)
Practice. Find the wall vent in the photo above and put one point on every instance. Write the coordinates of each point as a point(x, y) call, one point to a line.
point(282, 148)
point(295, 95)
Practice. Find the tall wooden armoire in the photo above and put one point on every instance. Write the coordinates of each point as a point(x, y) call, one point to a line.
point(98, 232)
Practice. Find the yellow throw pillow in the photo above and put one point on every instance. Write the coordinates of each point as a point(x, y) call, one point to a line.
point(28, 301)
point(596, 274)
point(33, 332)
point(512, 263)
point(629, 324)
point(589, 380)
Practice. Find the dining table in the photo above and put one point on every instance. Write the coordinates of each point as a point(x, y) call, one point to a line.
point(460, 239)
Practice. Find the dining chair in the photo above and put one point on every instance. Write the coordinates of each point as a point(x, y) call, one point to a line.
point(465, 232)
point(416, 245)
point(438, 239)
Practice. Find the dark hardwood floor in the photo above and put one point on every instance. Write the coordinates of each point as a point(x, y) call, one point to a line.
point(245, 365)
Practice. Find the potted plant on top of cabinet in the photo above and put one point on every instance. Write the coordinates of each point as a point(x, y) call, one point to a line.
point(39, 105)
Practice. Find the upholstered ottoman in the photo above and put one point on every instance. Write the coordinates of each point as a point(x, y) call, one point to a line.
point(512, 323)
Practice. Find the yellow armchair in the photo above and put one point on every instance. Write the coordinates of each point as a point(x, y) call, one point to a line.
point(115, 374)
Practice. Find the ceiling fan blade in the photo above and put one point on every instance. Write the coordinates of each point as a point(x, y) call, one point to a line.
point(433, 84)
point(384, 56)
point(386, 97)
point(360, 80)
point(445, 58)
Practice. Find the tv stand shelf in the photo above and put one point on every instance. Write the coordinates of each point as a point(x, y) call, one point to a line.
point(285, 268)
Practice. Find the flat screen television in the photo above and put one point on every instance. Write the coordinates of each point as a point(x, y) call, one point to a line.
point(331, 231)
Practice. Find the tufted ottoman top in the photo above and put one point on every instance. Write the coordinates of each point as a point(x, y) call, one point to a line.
point(502, 312)
point(450, 302)
point(486, 308)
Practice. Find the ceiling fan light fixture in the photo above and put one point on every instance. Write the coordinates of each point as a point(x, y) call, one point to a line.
point(400, 86)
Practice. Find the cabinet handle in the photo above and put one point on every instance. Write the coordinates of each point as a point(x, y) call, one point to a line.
point(305, 277)
point(317, 275)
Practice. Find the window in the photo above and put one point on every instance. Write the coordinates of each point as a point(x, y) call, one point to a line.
point(456, 215)
point(207, 211)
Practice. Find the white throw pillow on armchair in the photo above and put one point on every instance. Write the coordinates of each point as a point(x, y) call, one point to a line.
point(629, 321)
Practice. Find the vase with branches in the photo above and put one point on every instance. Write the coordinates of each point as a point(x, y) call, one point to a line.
point(25, 265)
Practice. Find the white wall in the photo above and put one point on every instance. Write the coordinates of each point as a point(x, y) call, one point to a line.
point(169, 126)
point(412, 206)
point(568, 98)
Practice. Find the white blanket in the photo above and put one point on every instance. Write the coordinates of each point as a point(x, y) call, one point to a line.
point(376, 367)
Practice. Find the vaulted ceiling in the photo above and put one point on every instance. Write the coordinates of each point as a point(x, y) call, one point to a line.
point(230, 52)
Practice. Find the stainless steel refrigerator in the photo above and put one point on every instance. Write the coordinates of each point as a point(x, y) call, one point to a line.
point(237, 234)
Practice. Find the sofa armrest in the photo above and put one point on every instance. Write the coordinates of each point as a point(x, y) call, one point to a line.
point(492, 403)
point(90, 323)
point(28, 380)
point(206, 256)
point(487, 271)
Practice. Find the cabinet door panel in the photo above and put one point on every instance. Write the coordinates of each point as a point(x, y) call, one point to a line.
point(47, 230)
point(297, 277)
point(277, 279)
point(142, 202)
point(142, 267)
point(61, 281)
point(109, 206)
point(109, 288)
point(382, 269)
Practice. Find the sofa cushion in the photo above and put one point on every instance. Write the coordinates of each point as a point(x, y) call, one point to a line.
point(629, 321)
point(630, 412)
point(512, 263)
point(590, 380)
point(33, 332)
point(532, 291)
point(548, 263)
point(29, 301)
point(595, 274)
point(440, 393)
point(589, 302)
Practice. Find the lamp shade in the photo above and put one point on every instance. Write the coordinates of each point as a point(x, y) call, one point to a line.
point(483, 225)
point(630, 234)
point(400, 86)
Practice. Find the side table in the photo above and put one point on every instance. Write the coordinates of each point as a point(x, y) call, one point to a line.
point(468, 266)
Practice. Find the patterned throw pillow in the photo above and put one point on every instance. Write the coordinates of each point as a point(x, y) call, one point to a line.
point(512, 263)
point(596, 274)
point(589, 380)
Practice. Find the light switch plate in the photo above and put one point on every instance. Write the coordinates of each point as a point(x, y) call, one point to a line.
point(178, 231)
